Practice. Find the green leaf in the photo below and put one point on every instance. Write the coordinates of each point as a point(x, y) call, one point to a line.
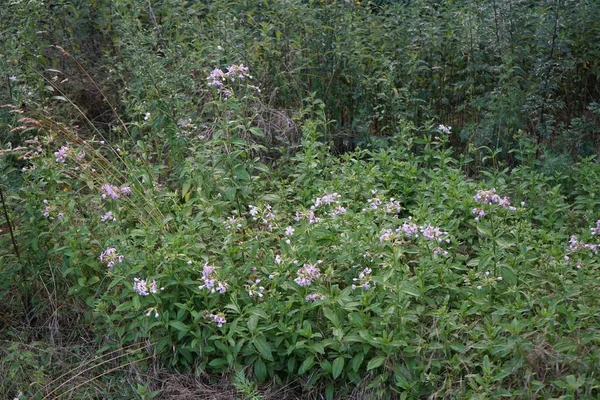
point(260, 370)
point(357, 361)
point(257, 131)
point(186, 188)
point(331, 316)
point(252, 322)
point(484, 230)
point(504, 243)
point(239, 171)
point(259, 312)
point(263, 348)
point(487, 369)
point(410, 289)
point(337, 367)
point(376, 362)
point(509, 275)
point(180, 326)
point(306, 365)
point(329, 392)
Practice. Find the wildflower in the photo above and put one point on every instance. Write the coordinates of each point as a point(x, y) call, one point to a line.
point(210, 282)
point(60, 215)
point(314, 297)
point(12, 78)
point(308, 273)
point(409, 229)
point(312, 219)
point(479, 212)
point(218, 319)
point(327, 200)
point(254, 290)
point(47, 209)
point(374, 204)
point(338, 211)
point(81, 156)
point(62, 154)
point(108, 217)
point(110, 191)
point(445, 129)
point(364, 279)
point(289, 231)
point(189, 262)
point(479, 287)
point(147, 116)
point(490, 197)
point(439, 250)
point(140, 287)
point(232, 223)
point(499, 278)
point(596, 230)
point(150, 311)
point(253, 211)
point(393, 206)
point(125, 190)
point(110, 257)
point(387, 234)
point(278, 259)
point(433, 233)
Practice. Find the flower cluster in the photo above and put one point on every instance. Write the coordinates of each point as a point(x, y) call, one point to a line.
point(265, 215)
point(364, 279)
point(308, 273)
point(232, 223)
point(218, 319)
point(108, 217)
point(411, 230)
point(438, 250)
point(142, 288)
point(434, 233)
point(254, 290)
point(218, 78)
point(48, 209)
point(333, 198)
point(374, 204)
point(490, 197)
point(309, 215)
point(314, 297)
point(479, 213)
point(114, 192)
point(596, 230)
point(445, 129)
point(488, 280)
point(62, 154)
point(110, 257)
point(152, 310)
point(328, 199)
point(576, 245)
point(210, 281)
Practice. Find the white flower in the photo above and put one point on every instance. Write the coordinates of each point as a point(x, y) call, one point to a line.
point(445, 129)
point(289, 231)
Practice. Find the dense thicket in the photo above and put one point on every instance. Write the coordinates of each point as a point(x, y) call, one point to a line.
point(488, 68)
